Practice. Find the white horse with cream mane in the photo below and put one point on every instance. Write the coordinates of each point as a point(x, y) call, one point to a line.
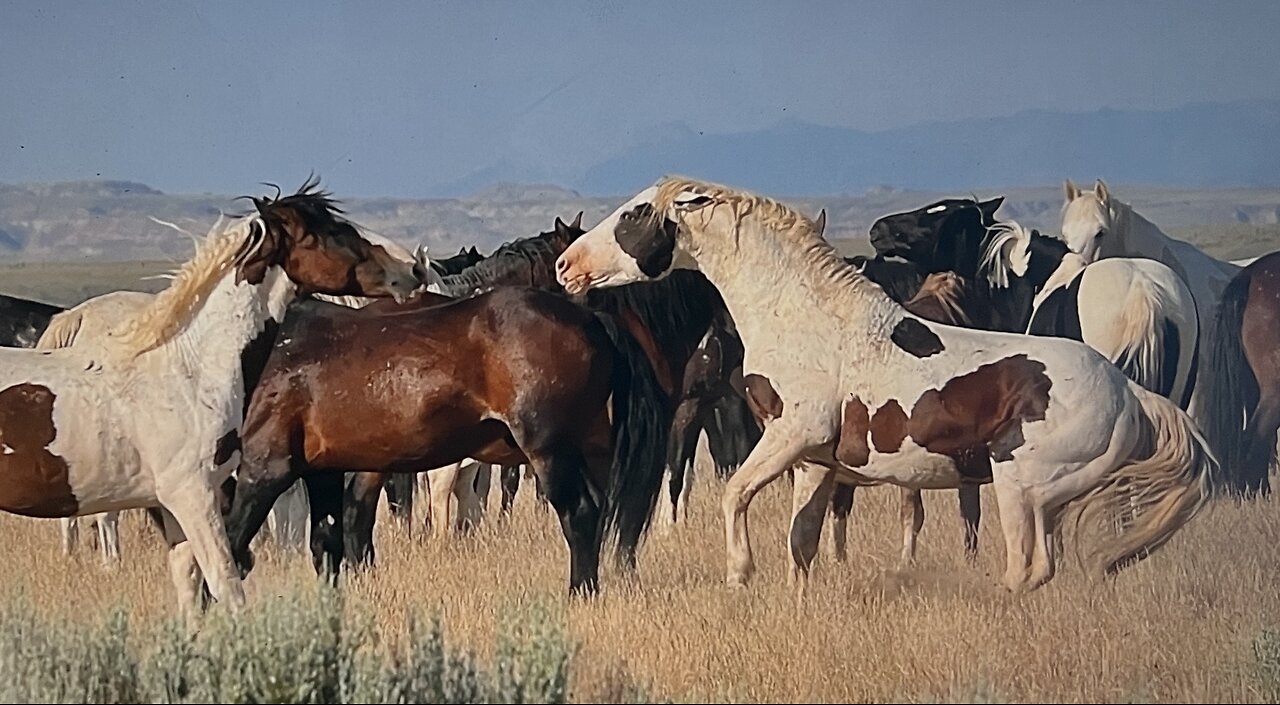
point(150, 416)
point(1097, 225)
point(847, 381)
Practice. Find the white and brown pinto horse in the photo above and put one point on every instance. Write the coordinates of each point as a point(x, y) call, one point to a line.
point(850, 382)
point(151, 417)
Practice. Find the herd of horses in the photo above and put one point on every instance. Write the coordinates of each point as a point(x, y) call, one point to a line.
point(1110, 378)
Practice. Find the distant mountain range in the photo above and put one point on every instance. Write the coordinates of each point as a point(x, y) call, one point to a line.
point(1203, 145)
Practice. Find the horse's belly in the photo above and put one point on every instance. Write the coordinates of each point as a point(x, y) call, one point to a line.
point(915, 467)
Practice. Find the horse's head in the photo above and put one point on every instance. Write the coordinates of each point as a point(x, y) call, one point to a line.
point(634, 243)
point(1087, 222)
point(322, 252)
point(930, 235)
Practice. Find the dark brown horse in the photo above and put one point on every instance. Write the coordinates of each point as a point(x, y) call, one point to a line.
point(511, 376)
point(683, 327)
point(1243, 389)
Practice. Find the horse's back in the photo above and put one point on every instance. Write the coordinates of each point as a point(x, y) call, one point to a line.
point(90, 320)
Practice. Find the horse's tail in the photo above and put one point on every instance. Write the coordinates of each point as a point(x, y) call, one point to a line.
point(1165, 484)
point(62, 330)
point(1231, 389)
point(1146, 327)
point(642, 418)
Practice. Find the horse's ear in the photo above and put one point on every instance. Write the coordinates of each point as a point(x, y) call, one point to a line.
point(577, 221)
point(821, 223)
point(990, 207)
point(1100, 190)
point(1070, 190)
point(561, 228)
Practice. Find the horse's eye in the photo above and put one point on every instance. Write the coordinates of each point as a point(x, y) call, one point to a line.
point(1101, 233)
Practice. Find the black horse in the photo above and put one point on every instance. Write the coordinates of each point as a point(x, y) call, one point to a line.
point(23, 321)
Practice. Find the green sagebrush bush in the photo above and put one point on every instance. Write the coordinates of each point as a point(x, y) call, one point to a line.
point(300, 648)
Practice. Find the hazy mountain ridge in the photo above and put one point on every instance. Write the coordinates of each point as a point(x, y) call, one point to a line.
point(92, 221)
point(1199, 145)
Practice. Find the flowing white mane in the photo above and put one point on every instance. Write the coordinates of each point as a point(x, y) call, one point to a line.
point(175, 306)
point(787, 223)
point(1007, 252)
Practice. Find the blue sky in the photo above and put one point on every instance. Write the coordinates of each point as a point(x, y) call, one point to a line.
point(403, 98)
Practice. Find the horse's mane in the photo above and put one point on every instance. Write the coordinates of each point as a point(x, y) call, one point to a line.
point(946, 290)
point(1006, 252)
point(677, 309)
point(791, 226)
point(175, 306)
point(537, 252)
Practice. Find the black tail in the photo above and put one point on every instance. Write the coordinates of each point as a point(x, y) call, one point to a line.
point(642, 416)
point(1231, 391)
point(732, 433)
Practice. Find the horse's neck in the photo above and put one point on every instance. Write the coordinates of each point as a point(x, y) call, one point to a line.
point(1143, 238)
point(1046, 256)
point(772, 283)
point(213, 344)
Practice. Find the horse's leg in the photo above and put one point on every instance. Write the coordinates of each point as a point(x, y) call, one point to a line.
point(510, 486)
point(400, 490)
point(563, 474)
point(109, 536)
point(197, 507)
point(841, 508)
point(483, 484)
point(810, 496)
point(442, 481)
point(681, 445)
point(185, 573)
point(1260, 441)
point(464, 489)
point(325, 495)
point(1019, 531)
point(359, 512)
point(911, 513)
point(970, 497)
point(70, 534)
point(779, 448)
point(1042, 562)
point(258, 485)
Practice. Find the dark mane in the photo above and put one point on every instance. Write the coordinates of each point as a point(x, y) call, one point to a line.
point(528, 261)
point(677, 309)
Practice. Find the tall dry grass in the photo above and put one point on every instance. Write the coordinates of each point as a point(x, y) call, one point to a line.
point(1184, 625)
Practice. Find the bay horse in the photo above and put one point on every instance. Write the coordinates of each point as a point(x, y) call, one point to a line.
point(511, 376)
point(1243, 390)
point(682, 326)
point(851, 382)
point(151, 416)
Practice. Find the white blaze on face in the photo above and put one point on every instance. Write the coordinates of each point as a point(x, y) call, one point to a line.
point(596, 259)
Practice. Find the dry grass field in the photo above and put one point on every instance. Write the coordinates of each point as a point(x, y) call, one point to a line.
point(1191, 623)
point(1181, 626)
